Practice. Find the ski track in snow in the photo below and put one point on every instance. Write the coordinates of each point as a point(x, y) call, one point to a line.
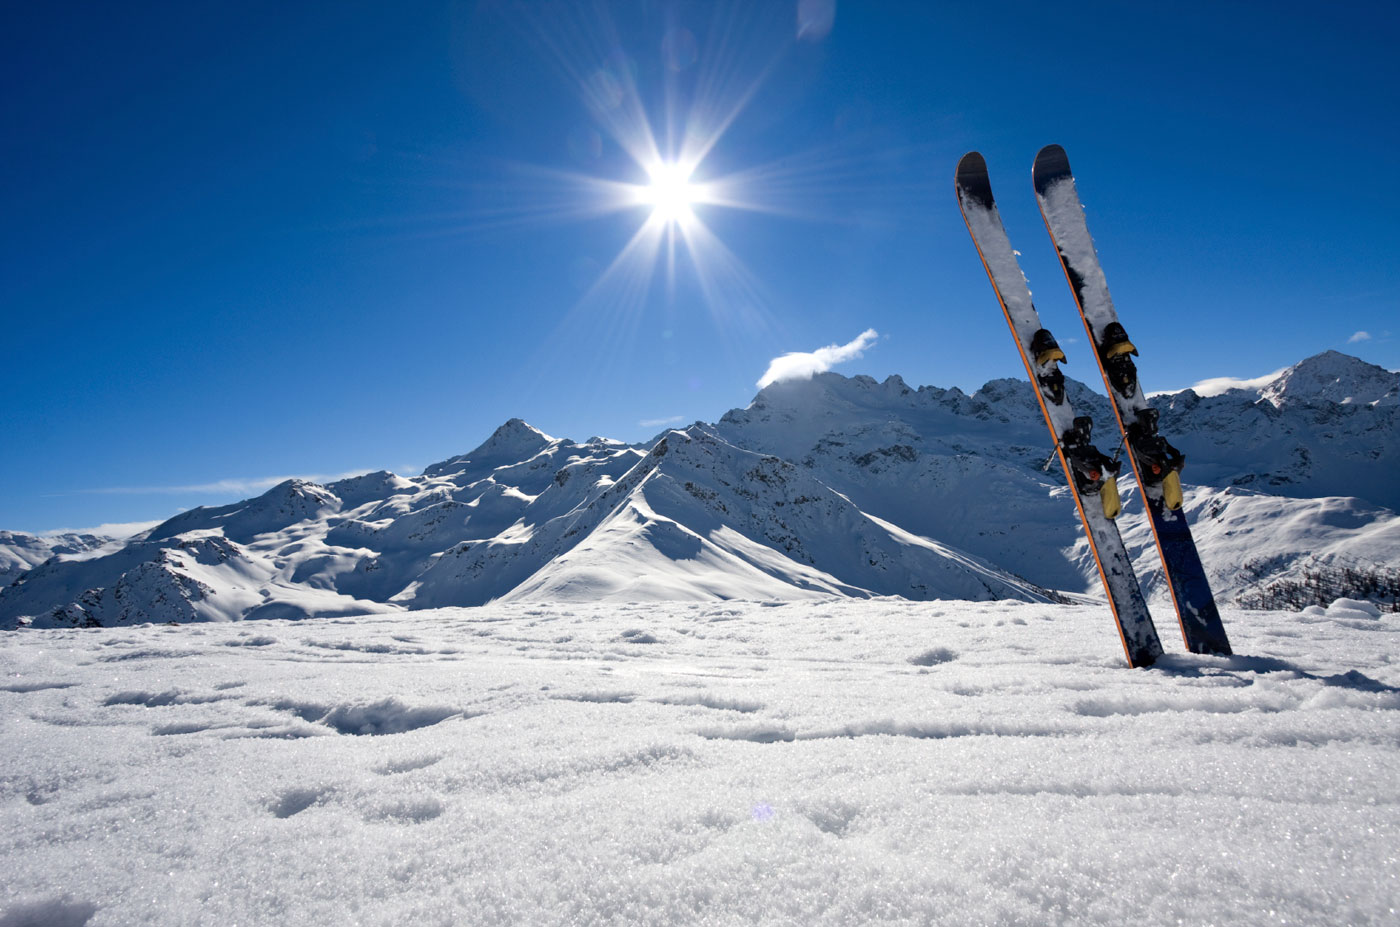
point(834, 762)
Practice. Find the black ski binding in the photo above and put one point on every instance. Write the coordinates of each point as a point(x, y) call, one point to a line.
point(1045, 350)
point(1117, 353)
point(1156, 458)
point(1090, 466)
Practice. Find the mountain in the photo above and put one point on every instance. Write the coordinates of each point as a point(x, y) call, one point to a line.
point(1281, 472)
point(830, 486)
point(1328, 426)
point(20, 552)
point(1335, 377)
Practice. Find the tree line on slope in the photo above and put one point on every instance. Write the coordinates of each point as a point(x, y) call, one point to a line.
point(1320, 582)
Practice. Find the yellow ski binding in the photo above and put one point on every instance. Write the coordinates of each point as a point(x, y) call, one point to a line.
point(1108, 495)
point(1171, 491)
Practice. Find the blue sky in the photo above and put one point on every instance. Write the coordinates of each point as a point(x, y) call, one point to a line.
point(250, 240)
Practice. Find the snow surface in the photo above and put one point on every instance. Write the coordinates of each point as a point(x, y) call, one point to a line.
point(844, 762)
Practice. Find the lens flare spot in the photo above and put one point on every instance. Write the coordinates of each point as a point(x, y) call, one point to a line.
point(670, 194)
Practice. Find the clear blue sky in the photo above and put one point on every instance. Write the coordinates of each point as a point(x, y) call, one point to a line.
point(245, 240)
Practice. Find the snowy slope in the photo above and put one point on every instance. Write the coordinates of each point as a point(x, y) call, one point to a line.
point(714, 512)
point(827, 486)
point(833, 763)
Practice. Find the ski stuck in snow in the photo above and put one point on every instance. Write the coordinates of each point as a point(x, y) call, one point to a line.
point(1091, 475)
point(1155, 463)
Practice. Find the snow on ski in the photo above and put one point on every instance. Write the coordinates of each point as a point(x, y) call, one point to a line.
point(1155, 462)
point(1090, 474)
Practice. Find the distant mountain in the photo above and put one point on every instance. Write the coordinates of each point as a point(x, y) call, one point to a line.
point(20, 552)
point(829, 486)
point(1328, 426)
point(1335, 377)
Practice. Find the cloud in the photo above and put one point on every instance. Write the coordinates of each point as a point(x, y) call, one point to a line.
point(1214, 386)
point(123, 529)
point(244, 486)
point(1359, 336)
point(659, 422)
point(802, 365)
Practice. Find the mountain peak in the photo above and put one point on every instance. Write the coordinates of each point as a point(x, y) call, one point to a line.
point(513, 442)
point(822, 388)
point(517, 440)
point(1334, 377)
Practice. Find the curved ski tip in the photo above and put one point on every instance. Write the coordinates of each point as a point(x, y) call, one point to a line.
point(972, 179)
point(973, 159)
point(1051, 164)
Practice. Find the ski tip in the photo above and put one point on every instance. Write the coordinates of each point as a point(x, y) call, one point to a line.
point(972, 180)
point(1051, 164)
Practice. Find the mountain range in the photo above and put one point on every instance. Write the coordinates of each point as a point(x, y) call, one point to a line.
point(828, 486)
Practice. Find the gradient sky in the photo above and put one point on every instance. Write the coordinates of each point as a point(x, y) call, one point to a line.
point(249, 240)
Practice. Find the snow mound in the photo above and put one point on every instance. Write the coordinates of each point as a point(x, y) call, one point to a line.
point(1345, 609)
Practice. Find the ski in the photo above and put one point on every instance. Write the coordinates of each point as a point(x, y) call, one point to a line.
point(1091, 475)
point(1156, 463)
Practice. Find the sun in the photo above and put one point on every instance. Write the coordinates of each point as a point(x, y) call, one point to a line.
point(670, 193)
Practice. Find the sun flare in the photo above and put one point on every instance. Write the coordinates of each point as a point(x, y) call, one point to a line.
point(670, 193)
point(648, 157)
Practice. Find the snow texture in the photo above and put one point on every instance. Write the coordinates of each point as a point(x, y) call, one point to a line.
point(837, 762)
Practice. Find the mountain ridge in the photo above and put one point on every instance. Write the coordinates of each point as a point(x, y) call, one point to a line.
point(832, 485)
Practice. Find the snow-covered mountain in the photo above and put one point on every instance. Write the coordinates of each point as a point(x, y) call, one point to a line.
point(828, 486)
point(1335, 377)
point(1328, 426)
point(20, 552)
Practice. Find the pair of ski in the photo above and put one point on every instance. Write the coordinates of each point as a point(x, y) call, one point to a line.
point(1092, 475)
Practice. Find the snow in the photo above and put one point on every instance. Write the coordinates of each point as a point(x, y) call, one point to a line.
point(1345, 609)
point(1240, 529)
point(830, 762)
point(1062, 210)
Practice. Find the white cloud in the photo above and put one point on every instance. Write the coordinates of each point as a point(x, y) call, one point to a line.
point(123, 529)
point(1214, 386)
point(1359, 336)
point(659, 422)
point(243, 486)
point(802, 365)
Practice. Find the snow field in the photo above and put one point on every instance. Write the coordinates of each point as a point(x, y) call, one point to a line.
point(812, 763)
